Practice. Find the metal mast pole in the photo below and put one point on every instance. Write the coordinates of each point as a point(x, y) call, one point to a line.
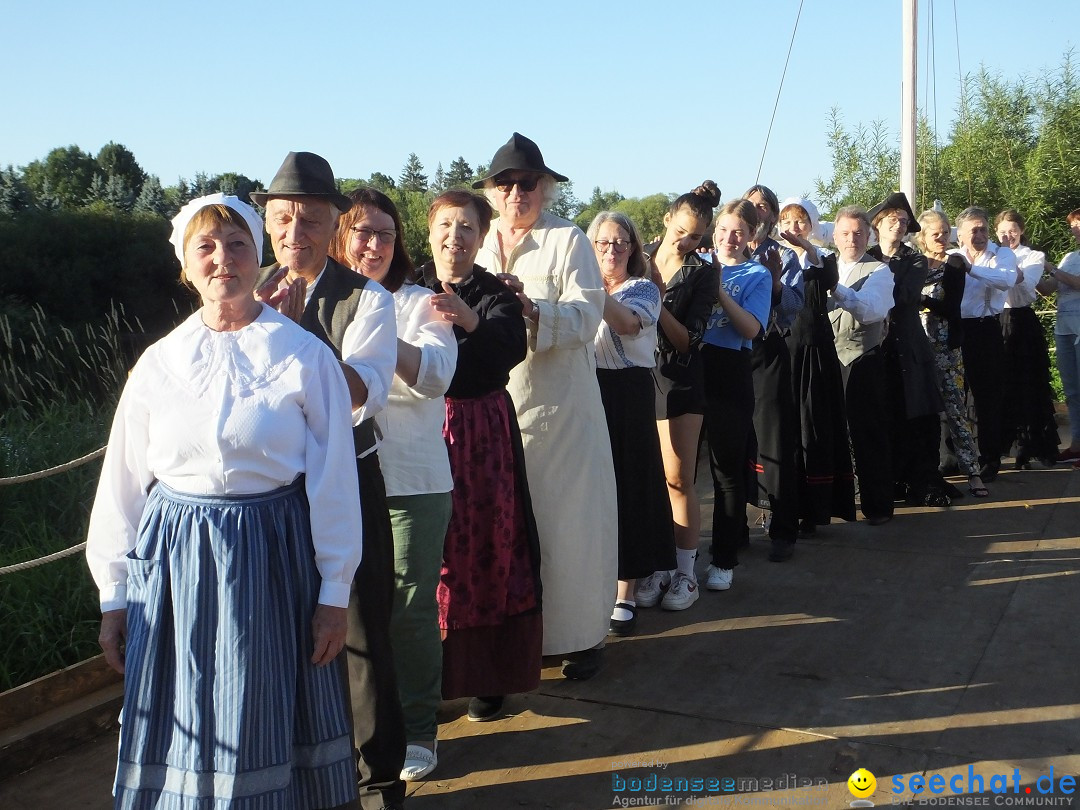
point(907, 93)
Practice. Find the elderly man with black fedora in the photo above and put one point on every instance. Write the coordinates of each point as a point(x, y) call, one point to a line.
point(911, 374)
point(549, 262)
point(354, 316)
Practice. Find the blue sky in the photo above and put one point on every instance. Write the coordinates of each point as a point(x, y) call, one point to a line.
point(635, 96)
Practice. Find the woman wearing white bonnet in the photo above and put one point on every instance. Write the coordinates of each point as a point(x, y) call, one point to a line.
point(223, 541)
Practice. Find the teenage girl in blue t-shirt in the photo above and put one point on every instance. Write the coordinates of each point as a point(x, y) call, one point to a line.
point(741, 312)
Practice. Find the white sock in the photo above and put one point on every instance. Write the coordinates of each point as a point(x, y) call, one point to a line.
point(685, 558)
point(621, 613)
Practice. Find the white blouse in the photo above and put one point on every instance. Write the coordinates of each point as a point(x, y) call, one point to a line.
point(1030, 263)
point(231, 413)
point(614, 351)
point(413, 453)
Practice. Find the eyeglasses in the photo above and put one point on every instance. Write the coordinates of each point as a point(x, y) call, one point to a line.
point(619, 245)
point(365, 235)
point(526, 184)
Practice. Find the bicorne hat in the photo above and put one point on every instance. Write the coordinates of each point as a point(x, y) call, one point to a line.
point(518, 154)
point(304, 174)
point(899, 200)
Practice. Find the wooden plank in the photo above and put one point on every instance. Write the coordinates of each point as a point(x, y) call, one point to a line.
point(47, 735)
point(49, 691)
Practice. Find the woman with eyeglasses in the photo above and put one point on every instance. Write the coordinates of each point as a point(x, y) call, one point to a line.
point(413, 459)
point(550, 264)
point(1028, 407)
point(625, 348)
point(740, 315)
point(689, 287)
point(942, 293)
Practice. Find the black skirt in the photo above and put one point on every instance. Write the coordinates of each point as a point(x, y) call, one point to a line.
point(1028, 408)
point(823, 455)
point(646, 531)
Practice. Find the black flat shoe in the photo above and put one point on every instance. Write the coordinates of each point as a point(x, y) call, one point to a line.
point(582, 665)
point(989, 471)
point(624, 627)
point(483, 709)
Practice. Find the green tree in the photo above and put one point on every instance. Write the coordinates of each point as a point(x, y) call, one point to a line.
point(381, 182)
point(151, 199)
point(412, 176)
point(647, 213)
point(237, 185)
point(438, 182)
point(865, 165)
point(64, 176)
point(14, 195)
point(599, 201)
point(116, 159)
point(566, 205)
point(460, 174)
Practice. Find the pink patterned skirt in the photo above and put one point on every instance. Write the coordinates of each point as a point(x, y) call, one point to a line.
point(489, 591)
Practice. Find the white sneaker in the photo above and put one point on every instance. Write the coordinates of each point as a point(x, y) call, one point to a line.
point(419, 761)
point(648, 591)
point(682, 593)
point(719, 579)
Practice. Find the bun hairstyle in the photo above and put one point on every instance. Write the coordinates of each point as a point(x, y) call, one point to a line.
point(701, 201)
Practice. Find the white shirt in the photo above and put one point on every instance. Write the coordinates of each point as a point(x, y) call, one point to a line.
point(631, 351)
point(988, 282)
point(870, 303)
point(1030, 263)
point(413, 453)
point(369, 346)
point(231, 413)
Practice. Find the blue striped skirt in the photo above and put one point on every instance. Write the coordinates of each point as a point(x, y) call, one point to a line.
point(222, 706)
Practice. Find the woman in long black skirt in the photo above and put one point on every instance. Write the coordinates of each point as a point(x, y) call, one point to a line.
point(625, 354)
point(1028, 410)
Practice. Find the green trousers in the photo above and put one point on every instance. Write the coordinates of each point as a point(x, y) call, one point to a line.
point(419, 523)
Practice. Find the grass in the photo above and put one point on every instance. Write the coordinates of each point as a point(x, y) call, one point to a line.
point(58, 389)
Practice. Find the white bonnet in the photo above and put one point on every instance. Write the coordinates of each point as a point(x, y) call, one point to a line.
point(810, 209)
point(188, 212)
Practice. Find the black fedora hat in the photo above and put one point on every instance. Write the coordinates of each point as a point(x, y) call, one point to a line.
point(304, 174)
point(518, 154)
point(898, 200)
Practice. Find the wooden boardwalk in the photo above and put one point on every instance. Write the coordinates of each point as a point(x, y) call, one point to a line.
point(942, 643)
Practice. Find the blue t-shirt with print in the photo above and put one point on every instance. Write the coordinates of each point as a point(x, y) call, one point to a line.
point(750, 285)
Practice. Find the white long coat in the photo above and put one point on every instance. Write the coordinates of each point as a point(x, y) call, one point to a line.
point(563, 428)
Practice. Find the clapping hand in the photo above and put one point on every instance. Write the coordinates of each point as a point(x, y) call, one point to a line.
point(452, 308)
point(287, 297)
point(516, 284)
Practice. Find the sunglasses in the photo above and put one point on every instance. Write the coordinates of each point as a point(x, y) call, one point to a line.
point(526, 184)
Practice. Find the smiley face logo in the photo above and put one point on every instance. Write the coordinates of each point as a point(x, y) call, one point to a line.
point(862, 784)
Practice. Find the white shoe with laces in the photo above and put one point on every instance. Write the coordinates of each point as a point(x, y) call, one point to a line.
point(648, 591)
point(719, 579)
point(682, 593)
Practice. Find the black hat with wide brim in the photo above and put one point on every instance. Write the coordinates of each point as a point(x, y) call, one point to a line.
point(898, 200)
point(304, 174)
point(521, 155)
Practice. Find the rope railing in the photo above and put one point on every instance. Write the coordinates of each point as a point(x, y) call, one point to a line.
point(37, 476)
point(59, 468)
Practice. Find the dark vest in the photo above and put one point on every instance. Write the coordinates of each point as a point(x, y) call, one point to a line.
point(329, 312)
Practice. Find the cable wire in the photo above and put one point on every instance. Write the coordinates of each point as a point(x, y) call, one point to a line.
point(778, 91)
